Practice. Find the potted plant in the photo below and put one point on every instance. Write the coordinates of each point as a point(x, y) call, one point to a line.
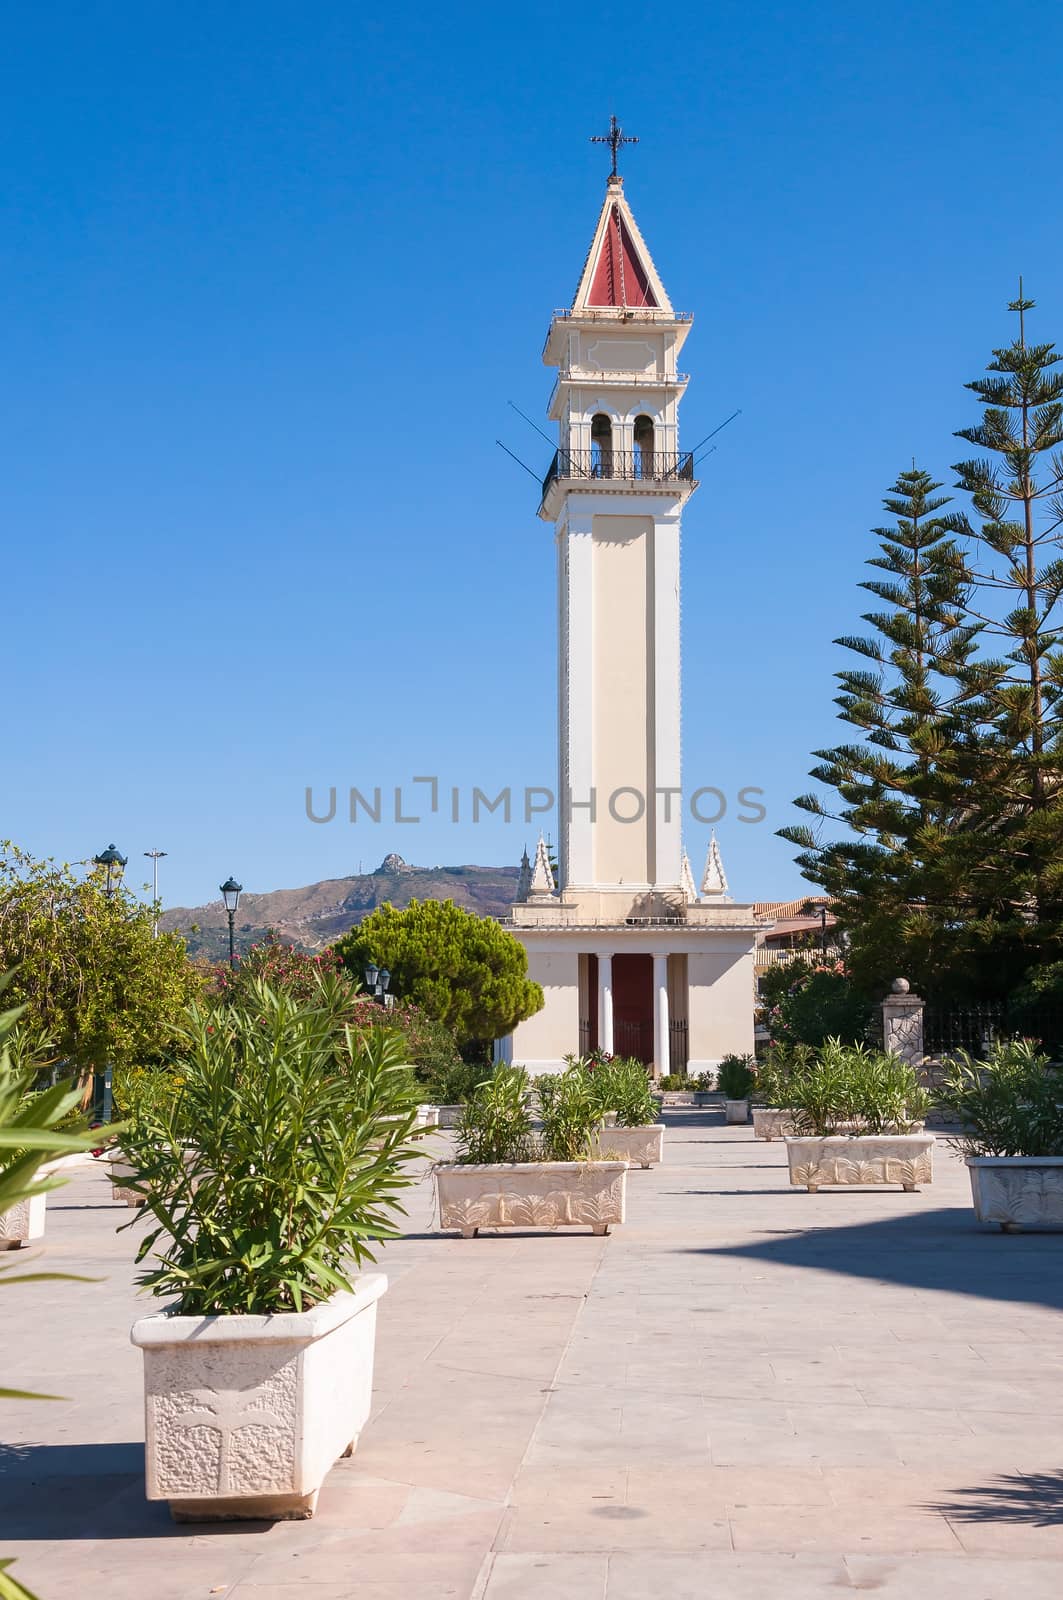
point(735, 1078)
point(628, 1129)
point(1010, 1111)
point(858, 1114)
point(773, 1115)
point(508, 1175)
point(258, 1374)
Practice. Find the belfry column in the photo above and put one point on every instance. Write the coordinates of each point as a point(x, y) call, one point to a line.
point(605, 1003)
point(661, 1052)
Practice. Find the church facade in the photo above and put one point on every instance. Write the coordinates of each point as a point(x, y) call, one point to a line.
point(631, 955)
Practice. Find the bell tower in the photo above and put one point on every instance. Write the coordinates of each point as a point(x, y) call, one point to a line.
point(631, 958)
point(615, 493)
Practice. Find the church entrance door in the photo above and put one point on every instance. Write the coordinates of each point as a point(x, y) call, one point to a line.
point(633, 1007)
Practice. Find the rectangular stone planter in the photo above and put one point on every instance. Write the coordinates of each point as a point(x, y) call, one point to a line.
point(23, 1223)
point(639, 1147)
point(1017, 1191)
point(771, 1122)
point(448, 1116)
point(904, 1158)
point(121, 1168)
point(244, 1416)
point(531, 1194)
point(736, 1111)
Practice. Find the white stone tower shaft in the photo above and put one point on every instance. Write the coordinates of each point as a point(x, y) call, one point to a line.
point(615, 493)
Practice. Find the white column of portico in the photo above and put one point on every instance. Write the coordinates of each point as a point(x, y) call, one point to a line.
point(661, 1053)
point(605, 1003)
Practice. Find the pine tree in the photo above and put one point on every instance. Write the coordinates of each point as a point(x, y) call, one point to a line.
point(1017, 494)
point(905, 788)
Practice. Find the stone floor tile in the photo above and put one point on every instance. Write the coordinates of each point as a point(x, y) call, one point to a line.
point(836, 1529)
point(953, 1578)
point(728, 1575)
point(542, 1576)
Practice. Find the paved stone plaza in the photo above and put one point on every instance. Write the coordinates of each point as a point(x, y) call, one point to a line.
point(745, 1392)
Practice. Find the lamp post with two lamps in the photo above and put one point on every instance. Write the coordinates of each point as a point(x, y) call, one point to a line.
point(377, 980)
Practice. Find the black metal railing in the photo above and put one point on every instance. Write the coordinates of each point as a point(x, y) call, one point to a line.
point(584, 1036)
point(626, 466)
point(678, 1050)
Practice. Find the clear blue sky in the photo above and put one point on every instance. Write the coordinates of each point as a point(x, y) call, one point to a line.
point(269, 276)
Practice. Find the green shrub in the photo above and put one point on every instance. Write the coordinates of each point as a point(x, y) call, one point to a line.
point(820, 1004)
point(495, 1124)
point(851, 1088)
point(1011, 1104)
point(735, 1077)
point(301, 1136)
point(454, 1082)
point(569, 1109)
point(620, 1084)
point(674, 1080)
point(776, 1071)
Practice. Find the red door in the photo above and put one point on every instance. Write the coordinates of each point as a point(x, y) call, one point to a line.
point(633, 1007)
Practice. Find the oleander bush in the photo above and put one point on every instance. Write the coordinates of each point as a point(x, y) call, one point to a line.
point(279, 1164)
point(1010, 1104)
point(570, 1110)
point(777, 1070)
point(619, 1084)
point(847, 1088)
point(496, 1123)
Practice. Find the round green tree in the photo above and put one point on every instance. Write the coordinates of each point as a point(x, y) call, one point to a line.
point(465, 971)
point(93, 980)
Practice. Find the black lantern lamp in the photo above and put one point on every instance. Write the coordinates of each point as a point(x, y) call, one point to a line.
point(114, 864)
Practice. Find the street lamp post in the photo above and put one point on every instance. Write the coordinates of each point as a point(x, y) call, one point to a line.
point(230, 893)
point(114, 864)
point(376, 982)
point(155, 857)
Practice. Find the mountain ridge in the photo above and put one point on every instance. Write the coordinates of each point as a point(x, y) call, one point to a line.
point(316, 914)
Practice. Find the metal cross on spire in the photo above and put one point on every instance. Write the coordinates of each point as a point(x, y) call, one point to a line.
point(614, 139)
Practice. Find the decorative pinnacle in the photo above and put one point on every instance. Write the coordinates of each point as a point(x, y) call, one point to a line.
point(614, 139)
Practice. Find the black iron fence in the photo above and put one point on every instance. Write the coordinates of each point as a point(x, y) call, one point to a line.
point(976, 1028)
point(678, 1051)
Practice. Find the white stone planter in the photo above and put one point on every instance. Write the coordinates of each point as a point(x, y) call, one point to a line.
point(639, 1147)
point(532, 1194)
point(904, 1158)
point(736, 1111)
point(121, 1168)
point(244, 1416)
point(772, 1122)
point(23, 1223)
point(448, 1116)
point(1017, 1191)
point(427, 1116)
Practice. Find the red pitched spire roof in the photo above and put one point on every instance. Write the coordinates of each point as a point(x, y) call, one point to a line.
point(619, 274)
point(620, 278)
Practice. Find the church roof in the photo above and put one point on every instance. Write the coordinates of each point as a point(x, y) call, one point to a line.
point(619, 273)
